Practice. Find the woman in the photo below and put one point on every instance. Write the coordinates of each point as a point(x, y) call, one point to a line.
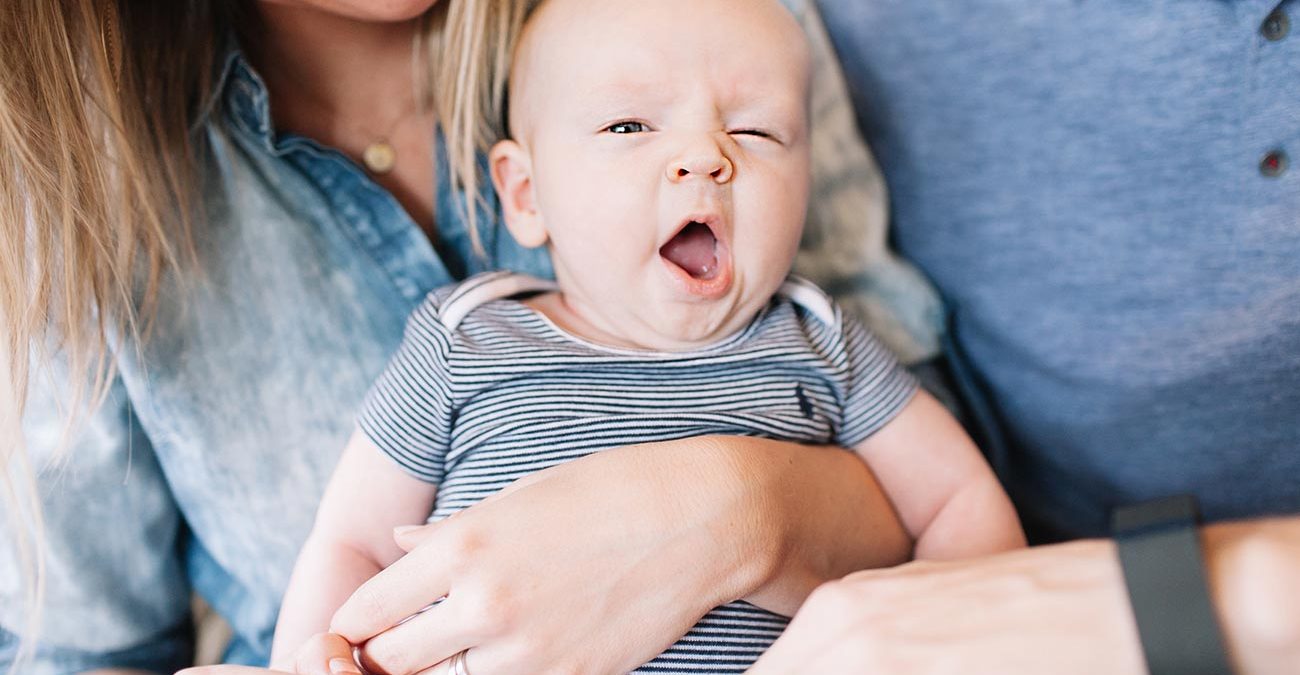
point(221, 217)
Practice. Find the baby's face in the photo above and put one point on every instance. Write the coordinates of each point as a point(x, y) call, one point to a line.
point(662, 149)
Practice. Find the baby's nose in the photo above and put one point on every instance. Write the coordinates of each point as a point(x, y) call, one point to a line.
point(701, 162)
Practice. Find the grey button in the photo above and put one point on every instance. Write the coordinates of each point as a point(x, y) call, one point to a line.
point(1274, 164)
point(1276, 26)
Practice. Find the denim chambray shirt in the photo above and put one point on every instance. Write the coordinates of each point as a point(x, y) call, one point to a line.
point(203, 469)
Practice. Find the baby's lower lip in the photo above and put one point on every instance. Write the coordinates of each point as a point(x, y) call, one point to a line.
point(708, 286)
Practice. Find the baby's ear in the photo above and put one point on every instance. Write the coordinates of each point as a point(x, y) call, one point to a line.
point(512, 174)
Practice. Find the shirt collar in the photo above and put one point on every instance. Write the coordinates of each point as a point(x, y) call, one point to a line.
point(242, 96)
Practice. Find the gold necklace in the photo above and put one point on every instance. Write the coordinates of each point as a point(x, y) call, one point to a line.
point(380, 156)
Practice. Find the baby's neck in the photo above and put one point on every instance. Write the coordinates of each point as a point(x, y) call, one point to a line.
point(571, 319)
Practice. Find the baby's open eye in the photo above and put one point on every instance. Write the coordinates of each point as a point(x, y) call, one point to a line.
point(627, 128)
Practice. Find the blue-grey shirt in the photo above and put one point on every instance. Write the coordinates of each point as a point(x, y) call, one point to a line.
point(1087, 184)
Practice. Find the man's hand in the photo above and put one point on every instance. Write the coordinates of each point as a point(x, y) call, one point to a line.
point(1050, 609)
point(1059, 609)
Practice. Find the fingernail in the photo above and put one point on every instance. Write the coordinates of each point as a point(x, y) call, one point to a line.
point(403, 529)
point(339, 666)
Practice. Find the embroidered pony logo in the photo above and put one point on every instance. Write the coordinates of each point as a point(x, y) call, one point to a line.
point(804, 404)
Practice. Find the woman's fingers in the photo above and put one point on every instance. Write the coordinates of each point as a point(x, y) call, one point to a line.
point(408, 537)
point(486, 661)
point(443, 668)
point(411, 536)
point(430, 637)
point(404, 588)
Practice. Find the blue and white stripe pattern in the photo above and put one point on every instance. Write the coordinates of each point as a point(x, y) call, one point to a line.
point(484, 390)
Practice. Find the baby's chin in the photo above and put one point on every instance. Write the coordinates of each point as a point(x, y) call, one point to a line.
point(676, 326)
point(651, 310)
point(684, 321)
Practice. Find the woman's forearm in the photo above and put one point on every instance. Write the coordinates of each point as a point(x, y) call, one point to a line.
point(818, 514)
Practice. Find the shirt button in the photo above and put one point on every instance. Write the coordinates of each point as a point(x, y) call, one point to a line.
point(1276, 26)
point(1273, 164)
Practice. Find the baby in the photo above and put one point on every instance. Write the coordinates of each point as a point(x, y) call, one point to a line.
point(660, 150)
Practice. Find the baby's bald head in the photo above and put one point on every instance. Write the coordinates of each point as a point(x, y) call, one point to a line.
point(565, 42)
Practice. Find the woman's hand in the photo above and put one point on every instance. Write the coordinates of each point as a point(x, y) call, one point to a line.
point(598, 565)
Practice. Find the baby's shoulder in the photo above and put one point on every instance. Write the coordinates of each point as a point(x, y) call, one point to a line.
point(809, 302)
point(819, 321)
point(446, 308)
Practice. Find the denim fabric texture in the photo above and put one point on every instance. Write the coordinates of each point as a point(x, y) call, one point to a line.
point(203, 469)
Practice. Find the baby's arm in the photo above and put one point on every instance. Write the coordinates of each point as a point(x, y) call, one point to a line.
point(945, 493)
point(351, 541)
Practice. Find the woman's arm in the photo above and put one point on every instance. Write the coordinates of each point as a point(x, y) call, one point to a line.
point(1059, 609)
point(599, 564)
point(818, 513)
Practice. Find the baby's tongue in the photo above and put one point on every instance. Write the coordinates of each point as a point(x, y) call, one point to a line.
point(694, 250)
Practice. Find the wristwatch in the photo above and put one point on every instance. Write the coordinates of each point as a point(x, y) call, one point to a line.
point(1160, 553)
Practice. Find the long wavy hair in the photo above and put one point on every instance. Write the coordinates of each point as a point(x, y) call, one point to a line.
point(102, 105)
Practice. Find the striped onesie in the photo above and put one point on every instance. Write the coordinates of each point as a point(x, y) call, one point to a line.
point(484, 390)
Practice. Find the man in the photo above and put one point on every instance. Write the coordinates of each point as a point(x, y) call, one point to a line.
point(1103, 194)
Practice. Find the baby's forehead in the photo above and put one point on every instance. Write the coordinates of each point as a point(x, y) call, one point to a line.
point(619, 25)
point(634, 48)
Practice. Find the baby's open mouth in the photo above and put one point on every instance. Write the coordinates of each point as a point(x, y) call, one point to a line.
point(694, 249)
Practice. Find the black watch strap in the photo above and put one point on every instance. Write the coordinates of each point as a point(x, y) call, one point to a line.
point(1160, 553)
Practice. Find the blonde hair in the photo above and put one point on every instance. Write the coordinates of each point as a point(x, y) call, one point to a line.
point(102, 104)
point(472, 64)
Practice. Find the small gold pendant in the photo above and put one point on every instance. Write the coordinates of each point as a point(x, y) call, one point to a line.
point(379, 157)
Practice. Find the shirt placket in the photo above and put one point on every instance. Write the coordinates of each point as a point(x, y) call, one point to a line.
point(1273, 112)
